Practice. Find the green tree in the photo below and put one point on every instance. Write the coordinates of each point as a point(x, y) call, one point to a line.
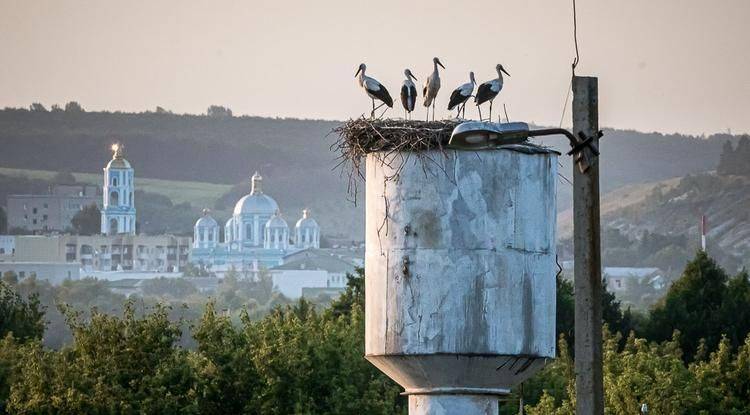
point(115, 365)
point(22, 317)
point(37, 107)
point(612, 315)
point(735, 309)
point(191, 270)
point(565, 318)
point(353, 297)
point(73, 107)
point(228, 380)
point(217, 111)
point(168, 287)
point(10, 278)
point(693, 306)
point(87, 221)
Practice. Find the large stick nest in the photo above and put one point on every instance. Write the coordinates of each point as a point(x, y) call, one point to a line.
point(361, 136)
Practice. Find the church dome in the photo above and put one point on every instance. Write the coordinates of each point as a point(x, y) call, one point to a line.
point(276, 221)
point(256, 202)
point(306, 221)
point(206, 221)
point(118, 161)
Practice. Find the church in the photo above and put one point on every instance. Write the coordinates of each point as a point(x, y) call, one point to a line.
point(255, 237)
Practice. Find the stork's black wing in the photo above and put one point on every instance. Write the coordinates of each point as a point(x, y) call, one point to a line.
point(383, 95)
point(456, 98)
point(408, 97)
point(484, 93)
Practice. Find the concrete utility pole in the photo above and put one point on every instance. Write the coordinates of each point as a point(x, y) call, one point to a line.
point(586, 240)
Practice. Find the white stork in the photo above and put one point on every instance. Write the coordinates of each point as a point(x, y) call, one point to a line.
point(462, 94)
point(431, 88)
point(408, 93)
point(375, 90)
point(489, 90)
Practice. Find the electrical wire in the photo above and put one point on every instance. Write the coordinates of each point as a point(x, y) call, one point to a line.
point(575, 38)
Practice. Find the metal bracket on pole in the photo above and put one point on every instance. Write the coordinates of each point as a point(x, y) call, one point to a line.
point(578, 145)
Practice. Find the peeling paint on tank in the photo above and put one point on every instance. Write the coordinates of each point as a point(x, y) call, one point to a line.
point(480, 281)
point(429, 227)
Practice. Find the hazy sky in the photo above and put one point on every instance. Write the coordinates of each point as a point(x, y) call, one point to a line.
point(663, 65)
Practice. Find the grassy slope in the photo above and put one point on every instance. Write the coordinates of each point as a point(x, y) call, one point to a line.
point(196, 193)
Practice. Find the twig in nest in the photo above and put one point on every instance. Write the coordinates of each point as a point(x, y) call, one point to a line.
point(362, 136)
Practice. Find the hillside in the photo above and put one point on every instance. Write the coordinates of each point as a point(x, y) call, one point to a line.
point(293, 156)
point(677, 209)
point(669, 213)
point(195, 193)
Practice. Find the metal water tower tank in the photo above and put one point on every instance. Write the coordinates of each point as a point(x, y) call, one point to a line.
point(460, 273)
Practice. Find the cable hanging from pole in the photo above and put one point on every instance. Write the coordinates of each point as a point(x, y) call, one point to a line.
point(575, 38)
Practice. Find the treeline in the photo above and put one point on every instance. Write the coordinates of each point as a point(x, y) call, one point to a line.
point(295, 360)
point(689, 354)
point(235, 293)
point(735, 161)
point(293, 155)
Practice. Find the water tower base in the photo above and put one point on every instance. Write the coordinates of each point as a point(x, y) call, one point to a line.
point(453, 404)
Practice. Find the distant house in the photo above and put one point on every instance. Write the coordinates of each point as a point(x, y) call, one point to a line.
point(313, 272)
point(620, 279)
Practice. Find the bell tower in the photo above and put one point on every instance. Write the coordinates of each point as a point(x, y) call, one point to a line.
point(118, 207)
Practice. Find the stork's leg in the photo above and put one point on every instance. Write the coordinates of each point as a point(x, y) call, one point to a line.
point(382, 113)
point(480, 113)
point(433, 110)
point(372, 114)
point(378, 107)
point(490, 111)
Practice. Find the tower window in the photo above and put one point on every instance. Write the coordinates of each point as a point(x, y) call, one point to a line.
point(114, 181)
point(113, 198)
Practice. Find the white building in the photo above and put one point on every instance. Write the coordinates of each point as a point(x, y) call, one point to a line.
point(312, 272)
point(118, 210)
point(621, 279)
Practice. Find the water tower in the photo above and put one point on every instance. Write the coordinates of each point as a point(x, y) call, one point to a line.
point(460, 266)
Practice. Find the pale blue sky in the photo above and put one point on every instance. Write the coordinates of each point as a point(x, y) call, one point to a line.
point(666, 65)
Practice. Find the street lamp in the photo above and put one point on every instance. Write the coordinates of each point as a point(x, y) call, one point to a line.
point(477, 135)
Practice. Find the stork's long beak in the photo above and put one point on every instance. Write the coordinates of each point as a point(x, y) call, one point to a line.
point(504, 71)
point(358, 71)
point(412, 76)
point(441, 64)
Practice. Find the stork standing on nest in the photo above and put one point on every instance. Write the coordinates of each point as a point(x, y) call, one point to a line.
point(431, 88)
point(374, 89)
point(408, 93)
point(462, 94)
point(489, 90)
